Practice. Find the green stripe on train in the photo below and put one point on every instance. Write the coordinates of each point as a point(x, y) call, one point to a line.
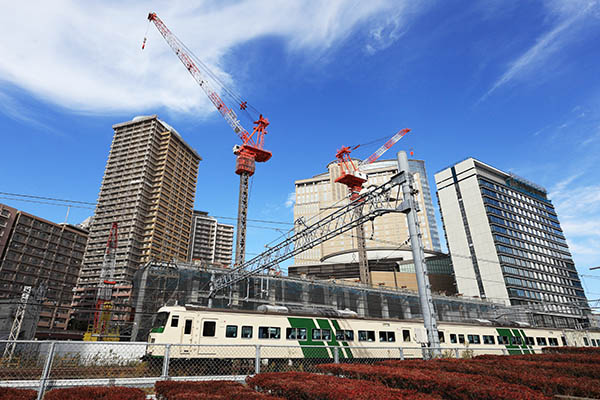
point(515, 348)
point(309, 352)
point(345, 344)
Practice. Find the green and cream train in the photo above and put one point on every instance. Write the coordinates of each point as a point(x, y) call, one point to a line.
point(230, 334)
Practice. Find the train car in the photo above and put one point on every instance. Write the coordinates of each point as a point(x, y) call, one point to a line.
point(285, 335)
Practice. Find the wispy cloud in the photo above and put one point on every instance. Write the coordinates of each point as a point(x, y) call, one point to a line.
point(15, 110)
point(86, 56)
point(570, 13)
point(291, 200)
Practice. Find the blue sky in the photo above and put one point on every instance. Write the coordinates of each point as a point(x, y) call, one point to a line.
point(514, 84)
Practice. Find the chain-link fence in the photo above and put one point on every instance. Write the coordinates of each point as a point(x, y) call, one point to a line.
point(47, 364)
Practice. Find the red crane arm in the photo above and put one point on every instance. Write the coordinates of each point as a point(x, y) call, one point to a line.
point(386, 146)
point(199, 75)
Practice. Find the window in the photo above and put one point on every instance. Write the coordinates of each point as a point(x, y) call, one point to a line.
point(267, 332)
point(174, 321)
point(554, 341)
point(452, 338)
point(344, 334)
point(387, 336)
point(246, 332)
point(406, 335)
point(488, 339)
point(594, 342)
point(441, 337)
point(516, 340)
point(541, 341)
point(231, 331)
point(461, 338)
point(563, 340)
point(209, 328)
point(585, 341)
point(473, 339)
point(188, 327)
point(502, 339)
point(366, 336)
point(295, 333)
point(321, 334)
point(529, 341)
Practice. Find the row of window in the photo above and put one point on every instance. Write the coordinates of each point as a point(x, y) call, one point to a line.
point(520, 200)
point(502, 339)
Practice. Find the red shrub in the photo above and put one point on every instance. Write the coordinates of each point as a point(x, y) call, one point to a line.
point(449, 385)
point(307, 386)
point(550, 380)
point(96, 393)
point(214, 390)
point(572, 350)
point(8, 393)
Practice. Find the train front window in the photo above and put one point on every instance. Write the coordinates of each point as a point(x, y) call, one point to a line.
point(160, 321)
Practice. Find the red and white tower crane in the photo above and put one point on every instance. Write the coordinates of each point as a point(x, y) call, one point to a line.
point(354, 178)
point(101, 329)
point(251, 150)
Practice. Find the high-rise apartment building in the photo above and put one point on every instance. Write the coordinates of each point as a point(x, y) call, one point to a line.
point(39, 253)
point(317, 196)
point(506, 241)
point(148, 189)
point(211, 241)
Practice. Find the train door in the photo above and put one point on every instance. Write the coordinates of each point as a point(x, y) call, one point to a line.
point(187, 335)
point(208, 336)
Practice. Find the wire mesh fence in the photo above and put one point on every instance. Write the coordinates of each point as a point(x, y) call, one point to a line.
point(47, 364)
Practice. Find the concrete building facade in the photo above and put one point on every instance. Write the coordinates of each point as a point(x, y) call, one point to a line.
point(211, 241)
point(35, 252)
point(148, 188)
point(506, 241)
point(316, 197)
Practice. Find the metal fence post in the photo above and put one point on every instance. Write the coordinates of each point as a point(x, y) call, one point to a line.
point(336, 355)
point(257, 360)
point(165, 366)
point(46, 371)
point(401, 353)
point(457, 352)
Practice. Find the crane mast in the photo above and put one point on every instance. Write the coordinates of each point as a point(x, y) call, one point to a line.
point(250, 151)
point(354, 178)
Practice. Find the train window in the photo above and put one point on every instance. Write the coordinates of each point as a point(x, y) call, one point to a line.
point(160, 321)
point(473, 339)
point(461, 338)
point(554, 341)
point(387, 336)
point(231, 331)
point(594, 342)
point(188, 327)
point(452, 338)
point(516, 340)
point(529, 341)
point(316, 334)
point(366, 336)
point(208, 329)
point(502, 339)
point(349, 335)
point(246, 332)
point(441, 337)
point(563, 340)
point(174, 321)
point(540, 341)
point(406, 335)
point(266, 332)
point(488, 339)
point(585, 341)
point(326, 334)
point(295, 333)
point(339, 335)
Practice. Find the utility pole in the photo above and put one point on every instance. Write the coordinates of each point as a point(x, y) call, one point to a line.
point(409, 206)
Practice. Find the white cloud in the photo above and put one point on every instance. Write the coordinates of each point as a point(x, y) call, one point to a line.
point(291, 200)
point(569, 13)
point(87, 57)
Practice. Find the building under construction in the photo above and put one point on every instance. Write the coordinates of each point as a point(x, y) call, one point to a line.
point(157, 284)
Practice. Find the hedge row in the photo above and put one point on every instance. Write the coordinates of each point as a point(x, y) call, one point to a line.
point(550, 382)
point(572, 350)
point(210, 390)
point(96, 393)
point(307, 386)
point(449, 385)
point(8, 393)
point(554, 357)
